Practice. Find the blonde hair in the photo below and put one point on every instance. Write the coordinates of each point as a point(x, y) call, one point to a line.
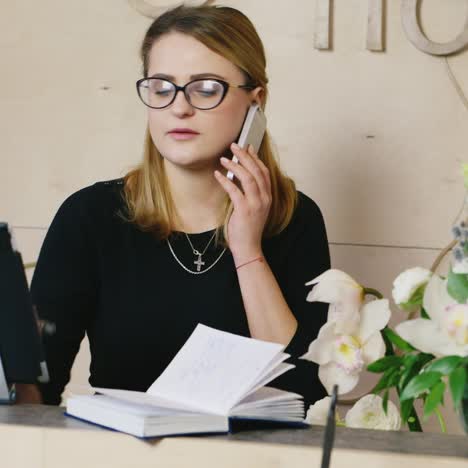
point(229, 33)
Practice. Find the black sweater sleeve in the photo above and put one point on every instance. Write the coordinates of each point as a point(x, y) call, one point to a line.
point(308, 257)
point(63, 289)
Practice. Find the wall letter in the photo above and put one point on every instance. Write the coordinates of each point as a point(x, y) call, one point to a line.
point(152, 11)
point(409, 16)
point(322, 24)
point(374, 29)
point(375, 25)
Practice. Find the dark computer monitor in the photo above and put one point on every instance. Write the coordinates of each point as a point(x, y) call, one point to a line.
point(20, 345)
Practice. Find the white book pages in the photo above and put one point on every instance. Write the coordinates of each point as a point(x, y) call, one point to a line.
point(270, 403)
point(143, 398)
point(214, 370)
point(274, 365)
point(140, 419)
point(124, 407)
point(267, 395)
point(275, 405)
point(280, 370)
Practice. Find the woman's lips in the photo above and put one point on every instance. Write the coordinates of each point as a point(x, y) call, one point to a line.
point(183, 135)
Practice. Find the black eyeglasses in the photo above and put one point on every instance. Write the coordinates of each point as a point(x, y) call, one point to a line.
point(202, 94)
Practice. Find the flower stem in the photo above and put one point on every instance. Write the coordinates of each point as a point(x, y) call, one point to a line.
point(413, 422)
point(443, 427)
point(372, 292)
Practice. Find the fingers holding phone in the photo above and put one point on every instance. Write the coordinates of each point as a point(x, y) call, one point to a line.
point(252, 177)
point(252, 133)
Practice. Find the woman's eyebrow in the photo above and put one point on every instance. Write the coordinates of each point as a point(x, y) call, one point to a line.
point(192, 77)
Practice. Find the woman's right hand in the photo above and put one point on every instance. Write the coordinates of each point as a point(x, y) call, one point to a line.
point(28, 394)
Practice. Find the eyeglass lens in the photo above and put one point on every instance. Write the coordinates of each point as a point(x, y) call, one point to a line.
point(203, 94)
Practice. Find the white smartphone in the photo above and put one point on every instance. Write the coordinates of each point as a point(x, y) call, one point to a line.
point(252, 132)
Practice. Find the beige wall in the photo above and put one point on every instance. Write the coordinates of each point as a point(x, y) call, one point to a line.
point(375, 138)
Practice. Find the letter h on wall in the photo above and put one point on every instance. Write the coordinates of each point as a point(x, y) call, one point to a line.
point(374, 25)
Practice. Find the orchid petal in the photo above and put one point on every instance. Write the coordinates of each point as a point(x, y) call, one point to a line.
point(374, 316)
point(373, 348)
point(408, 282)
point(427, 337)
point(333, 275)
point(345, 313)
point(368, 413)
point(318, 412)
point(331, 374)
point(321, 350)
point(335, 291)
point(436, 299)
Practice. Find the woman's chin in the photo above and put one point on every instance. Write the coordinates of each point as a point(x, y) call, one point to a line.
point(190, 160)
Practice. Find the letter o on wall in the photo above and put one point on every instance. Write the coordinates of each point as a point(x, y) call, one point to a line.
point(412, 28)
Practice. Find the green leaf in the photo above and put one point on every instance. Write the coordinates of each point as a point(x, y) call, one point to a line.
point(424, 314)
point(419, 384)
point(385, 402)
point(406, 408)
point(457, 380)
point(381, 365)
point(389, 379)
point(412, 364)
point(389, 351)
point(457, 286)
point(424, 358)
point(397, 340)
point(434, 398)
point(445, 365)
point(409, 365)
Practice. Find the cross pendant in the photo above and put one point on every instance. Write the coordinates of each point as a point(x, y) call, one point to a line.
point(199, 262)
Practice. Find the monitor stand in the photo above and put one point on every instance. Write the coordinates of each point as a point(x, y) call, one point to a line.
point(4, 392)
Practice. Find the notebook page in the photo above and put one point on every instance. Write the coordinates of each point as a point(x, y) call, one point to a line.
point(214, 369)
point(265, 396)
point(127, 406)
point(141, 398)
point(274, 365)
point(280, 370)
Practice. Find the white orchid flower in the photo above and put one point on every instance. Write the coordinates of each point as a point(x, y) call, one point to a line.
point(342, 357)
point(318, 412)
point(407, 283)
point(447, 331)
point(368, 413)
point(344, 295)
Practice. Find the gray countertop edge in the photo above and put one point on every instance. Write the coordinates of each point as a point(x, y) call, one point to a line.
point(356, 439)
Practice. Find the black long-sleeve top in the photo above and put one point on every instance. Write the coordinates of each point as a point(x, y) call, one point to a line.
point(103, 276)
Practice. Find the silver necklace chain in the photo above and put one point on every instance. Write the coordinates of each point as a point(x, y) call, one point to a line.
point(198, 262)
point(195, 251)
point(191, 271)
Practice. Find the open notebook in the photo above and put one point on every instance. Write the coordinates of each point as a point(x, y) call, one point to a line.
point(216, 376)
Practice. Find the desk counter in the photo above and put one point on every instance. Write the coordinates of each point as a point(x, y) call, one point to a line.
point(39, 436)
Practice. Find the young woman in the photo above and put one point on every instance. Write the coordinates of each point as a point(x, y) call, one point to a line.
point(136, 263)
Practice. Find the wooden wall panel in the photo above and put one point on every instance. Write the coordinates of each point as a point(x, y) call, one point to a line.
point(375, 139)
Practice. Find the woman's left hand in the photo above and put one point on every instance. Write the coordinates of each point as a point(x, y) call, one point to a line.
point(251, 208)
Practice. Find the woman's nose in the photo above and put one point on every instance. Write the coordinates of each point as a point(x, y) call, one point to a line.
point(181, 106)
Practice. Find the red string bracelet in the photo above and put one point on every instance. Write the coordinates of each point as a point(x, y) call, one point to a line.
point(260, 259)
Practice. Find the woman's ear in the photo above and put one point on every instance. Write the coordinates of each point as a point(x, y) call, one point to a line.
point(257, 95)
